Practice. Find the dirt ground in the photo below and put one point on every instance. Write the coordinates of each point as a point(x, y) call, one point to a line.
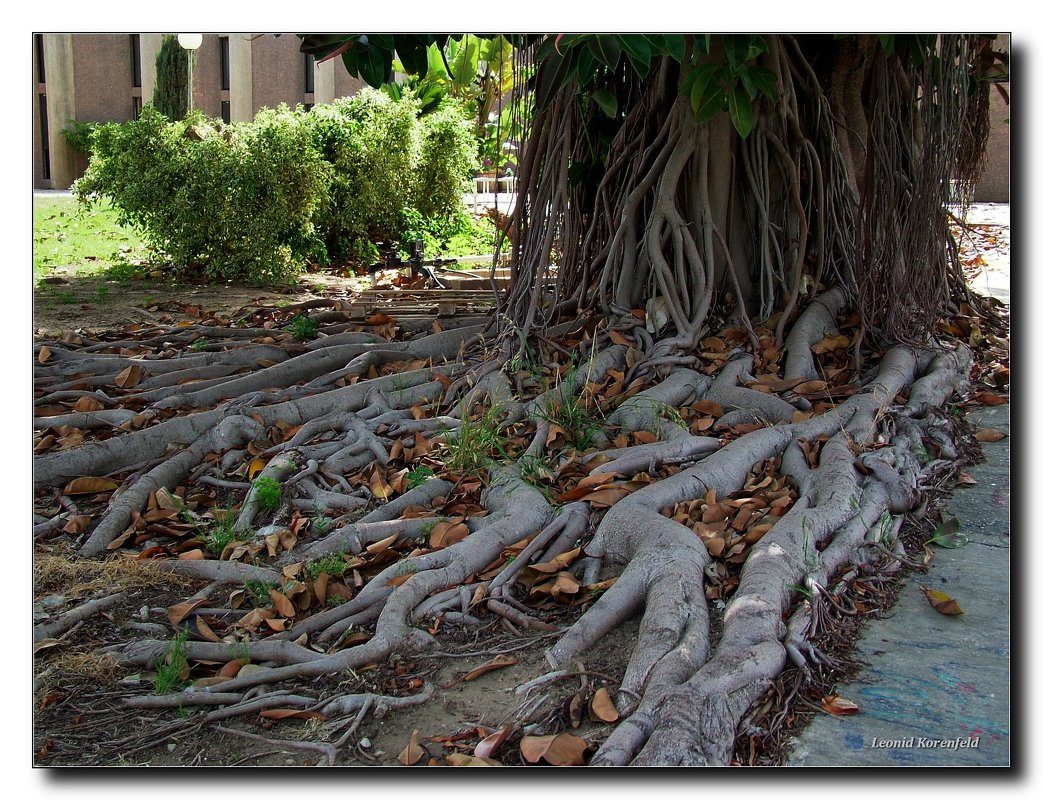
point(64, 302)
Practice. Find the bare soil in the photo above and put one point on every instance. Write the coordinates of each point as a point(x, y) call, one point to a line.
point(66, 302)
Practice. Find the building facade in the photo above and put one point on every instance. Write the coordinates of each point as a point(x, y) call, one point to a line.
point(108, 77)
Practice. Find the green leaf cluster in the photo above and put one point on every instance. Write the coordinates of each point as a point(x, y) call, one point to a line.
point(256, 200)
point(230, 202)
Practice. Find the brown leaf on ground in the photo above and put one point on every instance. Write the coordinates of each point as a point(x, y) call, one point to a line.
point(606, 497)
point(77, 524)
point(382, 545)
point(941, 602)
point(489, 745)
point(88, 485)
point(602, 707)
point(991, 399)
point(413, 752)
point(88, 404)
point(989, 435)
point(555, 749)
point(282, 604)
point(178, 612)
point(836, 705)
point(447, 533)
point(496, 663)
point(558, 563)
point(713, 408)
point(129, 377)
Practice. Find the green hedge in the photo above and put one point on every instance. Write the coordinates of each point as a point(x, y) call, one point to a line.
point(256, 200)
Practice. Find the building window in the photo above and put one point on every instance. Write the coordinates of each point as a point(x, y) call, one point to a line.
point(226, 112)
point(309, 73)
point(136, 61)
point(40, 76)
point(136, 104)
point(44, 139)
point(309, 106)
point(226, 71)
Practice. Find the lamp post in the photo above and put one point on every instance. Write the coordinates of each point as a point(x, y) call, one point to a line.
point(190, 42)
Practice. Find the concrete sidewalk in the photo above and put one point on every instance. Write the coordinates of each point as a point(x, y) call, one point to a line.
point(937, 689)
point(932, 677)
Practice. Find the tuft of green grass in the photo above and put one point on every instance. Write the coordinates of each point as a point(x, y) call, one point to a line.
point(221, 533)
point(333, 565)
point(472, 444)
point(575, 414)
point(172, 671)
point(303, 328)
point(259, 592)
point(321, 524)
point(418, 476)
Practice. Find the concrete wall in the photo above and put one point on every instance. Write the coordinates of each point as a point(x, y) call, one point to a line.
point(278, 71)
point(39, 88)
point(994, 185)
point(206, 76)
point(104, 73)
point(61, 106)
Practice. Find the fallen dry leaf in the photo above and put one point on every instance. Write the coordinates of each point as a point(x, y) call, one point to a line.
point(555, 749)
point(489, 745)
point(836, 705)
point(989, 435)
point(941, 602)
point(495, 664)
point(413, 752)
point(602, 707)
point(88, 485)
point(129, 377)
point(178, 612)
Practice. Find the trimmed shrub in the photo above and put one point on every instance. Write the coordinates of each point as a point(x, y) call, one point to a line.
point(77, 135)
point(255, 200)
point(233, 201)
point(396, 175)
point(371, 143)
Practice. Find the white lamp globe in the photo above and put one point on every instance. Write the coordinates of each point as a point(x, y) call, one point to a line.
point(190, 41)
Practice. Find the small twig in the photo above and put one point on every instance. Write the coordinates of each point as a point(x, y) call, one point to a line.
point(77, 615)
point(329, 752)
point(518, 618)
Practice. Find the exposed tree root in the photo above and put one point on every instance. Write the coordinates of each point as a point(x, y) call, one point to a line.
point(838, 477)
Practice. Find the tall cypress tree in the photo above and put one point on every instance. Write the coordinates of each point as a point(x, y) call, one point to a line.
point(171, 93)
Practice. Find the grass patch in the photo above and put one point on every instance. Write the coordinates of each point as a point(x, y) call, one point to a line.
point(87, 241)
point(471, 446)
point(172, 672)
